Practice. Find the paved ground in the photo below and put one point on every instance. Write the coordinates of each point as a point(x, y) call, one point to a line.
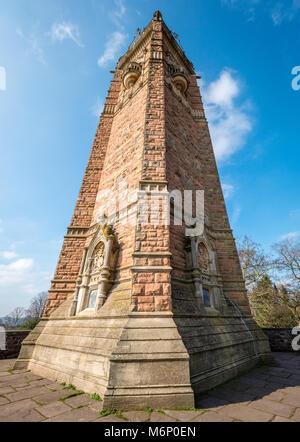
point(263, 395)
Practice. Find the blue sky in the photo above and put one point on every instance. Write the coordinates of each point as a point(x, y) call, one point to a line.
point(57, 56)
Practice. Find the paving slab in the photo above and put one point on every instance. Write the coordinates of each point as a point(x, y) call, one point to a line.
point(25, 393)
point(46, 397)
point(245, 413)
point(55, 386)
point(281, 419)
point(5, 390)
point(82, 399)
point(266, 394)
point(110, 418)
point(20, 411)
point(277, 408)
point(160, 417)
point(212, 403)
point(52, 410)
point(296, 416)
point(136, 416)
point(182, 415)
point(211, 416)
point(3, 400)
point(232, 396)
point(84, 414)
point(291, 399)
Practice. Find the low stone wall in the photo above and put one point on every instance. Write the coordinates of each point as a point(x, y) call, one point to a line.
point(280, 338)
point(14, 340)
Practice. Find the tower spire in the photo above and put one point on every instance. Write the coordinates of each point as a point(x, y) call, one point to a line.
point(157, 16)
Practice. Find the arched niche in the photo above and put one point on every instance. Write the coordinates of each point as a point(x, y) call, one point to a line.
point(206, 280)
point(94, 280)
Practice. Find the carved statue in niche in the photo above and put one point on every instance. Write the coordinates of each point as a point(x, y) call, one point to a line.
point(203, 258)
point(98, 258)
point(96, 268)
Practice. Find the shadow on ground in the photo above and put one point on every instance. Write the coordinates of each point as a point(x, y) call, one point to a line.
point(265, 394)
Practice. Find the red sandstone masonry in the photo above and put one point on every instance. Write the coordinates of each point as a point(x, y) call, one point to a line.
point(72, 250)
point(150, 137)
point(150, 238)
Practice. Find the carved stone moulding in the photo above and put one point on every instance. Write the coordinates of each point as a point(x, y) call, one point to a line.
point(131, 75)
point(180, 81)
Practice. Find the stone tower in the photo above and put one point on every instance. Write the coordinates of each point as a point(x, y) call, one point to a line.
point(147, 313)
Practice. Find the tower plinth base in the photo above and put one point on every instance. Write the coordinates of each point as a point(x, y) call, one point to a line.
point(139, 360)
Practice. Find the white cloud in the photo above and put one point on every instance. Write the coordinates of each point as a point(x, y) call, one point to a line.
point(222, 91)
point(236, 215)
point(229, 123)
point(290, 236)
point(97, 108)
point(117, 14)
point(63, 31)
point(36, 50)
point(281, 12)
point(121, 10)
point(19, 281)
point(112, 47)
point(277, 14)
point(33, 45)
point(8, 255)
point(16, 271)
point(228, 190)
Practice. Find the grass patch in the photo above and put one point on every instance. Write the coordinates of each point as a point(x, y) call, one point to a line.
point(107, 412)
point(70, 387)
point(96, 397)
point(160, 411)
point(148, 409)
point(63, 384)
point(10, 370)
point(120, 415)
point(76, 393)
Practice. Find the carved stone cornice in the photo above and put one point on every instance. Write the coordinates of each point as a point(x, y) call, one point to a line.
point(219, 233)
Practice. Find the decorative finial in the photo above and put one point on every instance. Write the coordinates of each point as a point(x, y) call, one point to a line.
point(157, 16)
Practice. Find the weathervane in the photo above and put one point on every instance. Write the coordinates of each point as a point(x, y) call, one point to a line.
point(176, 36)
point(136, 35)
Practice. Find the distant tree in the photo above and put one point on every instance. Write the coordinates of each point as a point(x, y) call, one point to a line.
point(29, 324)
point(37, 306)
point(15, 318)
point(288, 259)
point(270, 305)
point(287, 262)
point(254, 261)
point(35, 312)
point(22, 319)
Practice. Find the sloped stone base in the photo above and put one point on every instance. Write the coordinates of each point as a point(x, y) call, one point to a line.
point(139, 360)
point(132, 361)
